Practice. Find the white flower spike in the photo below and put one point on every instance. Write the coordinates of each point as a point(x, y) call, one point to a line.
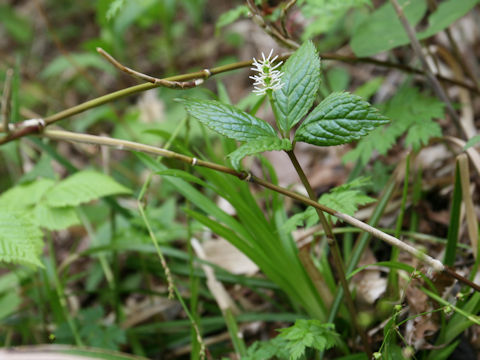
point(268, 78)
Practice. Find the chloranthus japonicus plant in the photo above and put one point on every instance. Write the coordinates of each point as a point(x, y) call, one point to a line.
point(338, 119)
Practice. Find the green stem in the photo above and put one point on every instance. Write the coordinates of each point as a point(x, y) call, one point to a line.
point(61, 293)
point(273, 105)
point(232, 326)
point(337, 258)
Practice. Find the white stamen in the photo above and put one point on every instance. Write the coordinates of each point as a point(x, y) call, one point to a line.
point(268, 78)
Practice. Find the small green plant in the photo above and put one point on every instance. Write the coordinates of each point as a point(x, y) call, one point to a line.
point(27, 208)
point(294, 341)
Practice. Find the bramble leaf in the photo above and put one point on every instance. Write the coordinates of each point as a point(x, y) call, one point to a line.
point(258, 146)
point(301, 79)
point(346, 198)
point(346, 201)
point(309, 334)
point(270, 349)
point(421, 132)
point(83, 187)
point(411, 112)
point(228, 120)
point(339, 119)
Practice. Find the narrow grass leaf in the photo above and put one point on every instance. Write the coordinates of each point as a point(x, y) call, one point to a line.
point(454, 225)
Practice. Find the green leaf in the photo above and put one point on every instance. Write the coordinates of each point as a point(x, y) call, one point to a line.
point(114, 8)
point(382, 30)
point(258, 146)
point(346, 202)
point(271, 349)
point(17, 26)
point(346, 198)
point(339, 119)
point(230, 16)
point(309, 334)
point(20, 240)
point(369, 88)
point(337, 79)
point(133, 11)
point(324, 14)
point(421, 132)
point(9, 303)
point(301, 79)
point(472, 142)
point(22, 197)
point(445, 15)
point(228, 120)
point(407, 109)
point(83, 187)
point(55, 218)
point(308, 217)
point(61, 64)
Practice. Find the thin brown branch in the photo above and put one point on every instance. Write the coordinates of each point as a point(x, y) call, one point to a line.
point(160, 82)
point(283, 17)
point(270, 30)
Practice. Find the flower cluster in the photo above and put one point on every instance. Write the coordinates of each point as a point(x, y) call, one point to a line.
point(268, 77)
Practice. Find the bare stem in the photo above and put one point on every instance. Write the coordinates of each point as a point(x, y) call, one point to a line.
point(283, 17)
point(161, 82)
point(270, 30)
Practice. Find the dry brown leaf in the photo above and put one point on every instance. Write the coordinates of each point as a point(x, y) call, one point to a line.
point(220, 252)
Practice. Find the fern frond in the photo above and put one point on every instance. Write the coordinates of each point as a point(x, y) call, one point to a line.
point(20, 240)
